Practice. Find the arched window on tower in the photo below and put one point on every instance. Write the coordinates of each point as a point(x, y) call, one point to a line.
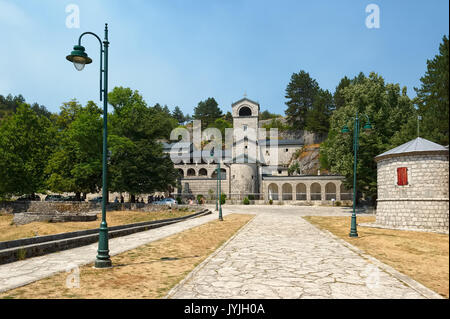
point(245, 111)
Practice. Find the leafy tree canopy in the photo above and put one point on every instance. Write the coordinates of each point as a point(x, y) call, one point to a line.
point(26, 142)
point(76, 163)
point(388, 108)
point(138, 164)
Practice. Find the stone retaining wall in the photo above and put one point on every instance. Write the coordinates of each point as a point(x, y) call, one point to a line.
point(28, 212)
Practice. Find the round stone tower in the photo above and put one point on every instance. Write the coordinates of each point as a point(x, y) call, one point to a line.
point(413, 186)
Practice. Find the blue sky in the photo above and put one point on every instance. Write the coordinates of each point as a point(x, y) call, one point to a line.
point(179, 52)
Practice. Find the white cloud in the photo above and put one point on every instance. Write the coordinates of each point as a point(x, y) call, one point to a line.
point(12, 15)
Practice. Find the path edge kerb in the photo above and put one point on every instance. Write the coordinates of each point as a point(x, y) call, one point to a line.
point(418, 287)
point(178, 286)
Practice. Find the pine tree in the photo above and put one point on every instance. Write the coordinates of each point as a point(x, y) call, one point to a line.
point(207, 111)
point(300, 93)
point(178, 115)
point(433, 97)
point(338, 97)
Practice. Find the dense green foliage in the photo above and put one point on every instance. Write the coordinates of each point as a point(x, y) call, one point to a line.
point(138, 164)
point(76, 162)
point(387, 107)
point(9, 105)
point(26, 143)
point(41, 151)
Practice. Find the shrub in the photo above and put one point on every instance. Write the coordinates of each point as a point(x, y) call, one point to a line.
point(223, 198)
point(21, 254)
point(338, 203)
point(270, 202)
point(179, 200)
point(200, 199)
point(246, 201)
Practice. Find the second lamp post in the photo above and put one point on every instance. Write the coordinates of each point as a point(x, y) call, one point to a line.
point(345, 130)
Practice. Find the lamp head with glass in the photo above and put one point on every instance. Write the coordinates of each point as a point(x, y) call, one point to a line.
point(79, 58)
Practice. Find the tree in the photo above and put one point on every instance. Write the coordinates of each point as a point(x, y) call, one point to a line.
point(266, 115)
point(338, 96)
point(388, 109)
point(318, 117)
point(433, 97)
point(9, 105)
point(431, 103)
point(178, 115)
point(229, 117)
point(221, 124)
point(26, 142)
point(67, 114)
point(207, 111)
point(139, 167)
point(76, 164)
point(138, 164)
point(133, 119)
point(300, 92)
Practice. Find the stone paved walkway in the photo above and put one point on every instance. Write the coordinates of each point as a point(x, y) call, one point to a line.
point(284, 256)
point(20, 273)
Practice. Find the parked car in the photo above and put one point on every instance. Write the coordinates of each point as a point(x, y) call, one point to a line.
point(97, 199)
point(166, 201)
point(53, 198)
point(70, 199)
point(29, 198)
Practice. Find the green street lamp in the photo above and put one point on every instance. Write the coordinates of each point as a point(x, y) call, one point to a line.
point(218, 199)
point(217, 185)
point(80, 58)
point(345, 130)
point(219, 192)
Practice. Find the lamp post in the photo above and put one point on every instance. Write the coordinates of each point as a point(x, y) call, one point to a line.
point(219, 180)
point(217, 192)
point(345, 130)
point(79, 58)
point(218, 199)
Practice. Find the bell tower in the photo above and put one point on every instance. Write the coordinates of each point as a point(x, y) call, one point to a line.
point(245, 114)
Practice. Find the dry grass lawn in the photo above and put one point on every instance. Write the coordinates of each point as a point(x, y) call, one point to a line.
point(9, 231)
point(420, 255)
point(149, 271)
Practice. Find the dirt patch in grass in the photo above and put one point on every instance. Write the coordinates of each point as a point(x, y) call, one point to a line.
point(149, 271)
point(9, 231)
point(420, 255)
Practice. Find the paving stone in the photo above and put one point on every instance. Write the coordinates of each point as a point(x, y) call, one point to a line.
point(290, 259)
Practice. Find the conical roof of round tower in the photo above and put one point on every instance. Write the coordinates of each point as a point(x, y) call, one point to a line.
point(418, 146)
